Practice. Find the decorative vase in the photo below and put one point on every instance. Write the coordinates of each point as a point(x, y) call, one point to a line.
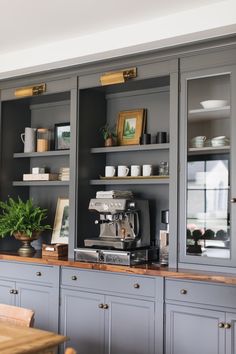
point(26, 249)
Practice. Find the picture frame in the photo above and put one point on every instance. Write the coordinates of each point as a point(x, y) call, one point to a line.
point(62, 136)
point(130, 126)
point(60, 233)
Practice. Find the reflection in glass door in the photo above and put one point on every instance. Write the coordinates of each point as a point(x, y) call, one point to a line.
point(208, 167)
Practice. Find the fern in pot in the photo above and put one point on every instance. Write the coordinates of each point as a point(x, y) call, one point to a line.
point(24, 221)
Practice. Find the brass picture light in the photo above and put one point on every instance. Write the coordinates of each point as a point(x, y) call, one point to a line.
point(30, 90)
point(118, 77)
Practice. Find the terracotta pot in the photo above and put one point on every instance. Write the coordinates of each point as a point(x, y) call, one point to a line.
point(26, 249)
point(108, 142)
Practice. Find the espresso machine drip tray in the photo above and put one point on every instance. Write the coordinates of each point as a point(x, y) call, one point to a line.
point(114, 256)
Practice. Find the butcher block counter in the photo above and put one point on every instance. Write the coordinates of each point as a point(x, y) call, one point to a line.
point(152, 269)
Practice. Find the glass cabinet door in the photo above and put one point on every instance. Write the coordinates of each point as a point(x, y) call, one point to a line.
point(206, 183)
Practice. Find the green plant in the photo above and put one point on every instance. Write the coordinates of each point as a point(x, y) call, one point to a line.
point(107, 132)
point(23, 217)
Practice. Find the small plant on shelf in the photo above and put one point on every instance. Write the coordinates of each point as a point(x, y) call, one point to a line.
point(109, 135)
point(24, 221)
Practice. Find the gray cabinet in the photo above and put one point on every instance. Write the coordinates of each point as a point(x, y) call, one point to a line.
point(97, 320)
point(207, 161)
point(198, 318)
point(32, 286)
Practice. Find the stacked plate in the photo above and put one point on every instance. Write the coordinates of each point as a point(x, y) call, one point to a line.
point(219, 141)
point(64, 174)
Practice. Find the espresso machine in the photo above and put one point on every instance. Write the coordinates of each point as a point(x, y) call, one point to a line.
point(124, 232)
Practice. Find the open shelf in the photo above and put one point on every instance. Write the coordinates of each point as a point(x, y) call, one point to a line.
point(130, 180)
point(215, 113)
point(209, 150)
point(41, 154)
point(128, 148)
point(40, 183)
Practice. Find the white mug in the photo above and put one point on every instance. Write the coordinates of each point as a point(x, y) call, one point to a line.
point(147, 170)
point(29, 139)
point(135, 170)
point(110, 171)
point(123, 171)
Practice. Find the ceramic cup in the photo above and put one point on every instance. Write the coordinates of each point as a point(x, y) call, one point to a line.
point(147, 170)
point(123, 171)
point(135, 170)
point(29, 139)
point(110, 171)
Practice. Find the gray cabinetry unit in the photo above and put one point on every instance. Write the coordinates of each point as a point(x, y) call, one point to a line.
point(200, 318)
point(207, 161)
point(56, 105)
point(32, 286)
point(100, 313)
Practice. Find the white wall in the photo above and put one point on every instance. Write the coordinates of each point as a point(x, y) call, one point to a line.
point(205, 22)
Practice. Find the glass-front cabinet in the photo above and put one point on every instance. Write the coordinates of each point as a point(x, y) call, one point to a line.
point(207, 167)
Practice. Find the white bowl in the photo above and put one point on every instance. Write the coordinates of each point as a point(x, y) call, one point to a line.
point(210, 104)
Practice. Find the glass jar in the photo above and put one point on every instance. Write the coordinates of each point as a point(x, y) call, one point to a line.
point(164, 168)
point(43, 139)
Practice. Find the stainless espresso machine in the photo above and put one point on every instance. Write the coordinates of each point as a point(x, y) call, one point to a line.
point(124, 232)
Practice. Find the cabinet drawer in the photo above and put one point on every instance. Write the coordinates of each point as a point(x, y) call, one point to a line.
point(103, 281)
point(30, 272)
point(201, 293)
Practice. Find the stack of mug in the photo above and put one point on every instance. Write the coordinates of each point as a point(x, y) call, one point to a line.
point(123, 171)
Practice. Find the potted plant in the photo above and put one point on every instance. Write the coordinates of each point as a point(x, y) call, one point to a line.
point(108, 134)
point(24, 221)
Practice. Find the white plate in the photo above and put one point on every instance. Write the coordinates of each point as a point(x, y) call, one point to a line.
point(210, 104)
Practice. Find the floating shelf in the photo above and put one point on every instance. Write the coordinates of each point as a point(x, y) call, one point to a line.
point(202, 113)
point(41, 154)
point(209, 150)
point(127, 148)
point(40, 183)
point(130, 180)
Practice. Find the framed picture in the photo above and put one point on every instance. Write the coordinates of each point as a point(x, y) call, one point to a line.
point(60, 233)
point(62, 136)
point(130, 126)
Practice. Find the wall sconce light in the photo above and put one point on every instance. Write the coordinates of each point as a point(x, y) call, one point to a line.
point(118, 77)
point(30, 90)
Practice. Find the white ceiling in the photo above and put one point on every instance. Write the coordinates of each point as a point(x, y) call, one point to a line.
point(30, 23)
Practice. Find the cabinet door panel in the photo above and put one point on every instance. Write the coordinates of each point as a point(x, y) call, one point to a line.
point(83, 321)
point(5, 296)
point(43, 300)
point(193, 330)
point(231, 333)
point(129, 326)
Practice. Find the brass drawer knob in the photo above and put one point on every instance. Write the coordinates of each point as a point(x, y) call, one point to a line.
point(15, 291)
point(38, 274)
point(101, 306)
point(136, 286)
point(233, 200)
point(74, 277)
point(227, 325)
point(105, 306)
point(221, 325)
point(183, 291)
point(11, 291)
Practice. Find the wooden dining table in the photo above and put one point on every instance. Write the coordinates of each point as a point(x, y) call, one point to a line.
point(25, 340)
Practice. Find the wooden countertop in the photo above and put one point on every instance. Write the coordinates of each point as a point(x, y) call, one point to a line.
point(142, 269)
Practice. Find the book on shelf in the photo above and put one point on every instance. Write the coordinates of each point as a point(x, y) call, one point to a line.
point(40, 177)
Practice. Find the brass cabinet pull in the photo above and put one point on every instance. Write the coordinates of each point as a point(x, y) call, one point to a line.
point(38, 274)
point(105, 306)
point(183, 291)
point(221, 325)
point(136, 286)
point(74, 277)
point(101, 306)
point(11, 291)
point(227, 325)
